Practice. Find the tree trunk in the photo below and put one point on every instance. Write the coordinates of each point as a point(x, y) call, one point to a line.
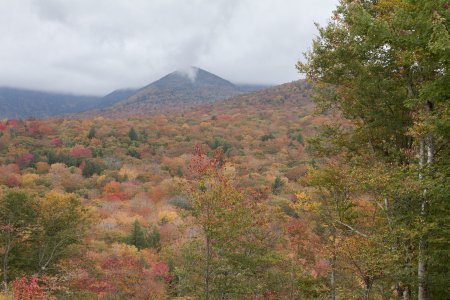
point(333, 277)
point(333, 265)
point(5, 271)
point(422, 270)
point(422, 261)
point(368, 287)
point(406, 293)
point(5, 262)
point(405, 288)
point(291, 292)
point(208, 256)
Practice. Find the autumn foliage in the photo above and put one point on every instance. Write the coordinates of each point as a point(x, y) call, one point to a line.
point(28, 288)
point(88, 191)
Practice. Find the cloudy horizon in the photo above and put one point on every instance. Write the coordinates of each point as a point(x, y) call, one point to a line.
point(95, 47)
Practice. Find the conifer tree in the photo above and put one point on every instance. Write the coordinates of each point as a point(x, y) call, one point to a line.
point(153, 238)
point(277, 185)
point(137, 237)
point(92, 133)
point(132, 134)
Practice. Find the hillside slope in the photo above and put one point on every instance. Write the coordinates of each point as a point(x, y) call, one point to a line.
point(181, 87)
point(135, 107)
point(178, 90)
point(21, 103)
point(125, 178)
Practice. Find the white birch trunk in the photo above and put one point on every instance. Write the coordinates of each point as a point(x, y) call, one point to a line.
point(426, 153)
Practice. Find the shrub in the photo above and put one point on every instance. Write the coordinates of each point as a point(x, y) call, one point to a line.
point(25, 289)
point(80, 151)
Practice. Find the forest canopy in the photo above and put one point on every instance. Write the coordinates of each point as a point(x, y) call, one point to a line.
point(336, 186)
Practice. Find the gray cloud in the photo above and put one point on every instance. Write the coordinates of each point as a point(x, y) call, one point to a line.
point(93, 47)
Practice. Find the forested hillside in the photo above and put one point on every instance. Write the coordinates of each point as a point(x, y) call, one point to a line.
point(127, 185)
point(20, 103)
point(333, 187)
point(174, 92)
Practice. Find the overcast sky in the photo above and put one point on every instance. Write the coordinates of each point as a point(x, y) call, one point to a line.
point(96, 46)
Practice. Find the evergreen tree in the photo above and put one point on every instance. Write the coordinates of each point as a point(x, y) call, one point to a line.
point(92, 133)
point(92, 167)
point(143, 238)
point(132, 134)
point(137, 237)
point(153, 238)
point(277, 185)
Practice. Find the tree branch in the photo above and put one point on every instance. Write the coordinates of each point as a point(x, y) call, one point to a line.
point(352, 229)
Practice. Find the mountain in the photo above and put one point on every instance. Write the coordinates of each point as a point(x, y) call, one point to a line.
point(178, 90)
point(296, 92)
point(21, 103)
point(114, 97)
point(191, 86)
point(249, 88)
point(284, 96)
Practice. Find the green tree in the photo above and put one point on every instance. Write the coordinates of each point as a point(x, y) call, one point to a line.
point(36, 233)
point(277, 185)
point(132, 134)
point(143, 238)
point(384, 66)
point(234, 249)
point(137, 237)
point(354, 232)
point(153, 238)
point(92, 167)
point(63, 223)
point(92, 133)
point(17, 220)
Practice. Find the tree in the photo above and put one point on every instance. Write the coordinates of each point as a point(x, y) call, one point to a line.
point(355, 234)
point(137, 237)
point(234, 255)
point(63, 223)
point(277, 185)
point(113, 191)
point(153, 238)
point(81, 151)
point(38, 233)
point(17, 220)
point(144, 238)
point(382, 65)
point(132, 134)
point(92, 167)
point(92, 132)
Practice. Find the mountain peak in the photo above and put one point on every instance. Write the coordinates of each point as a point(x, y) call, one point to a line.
point(186, 86)
point(189, 72)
